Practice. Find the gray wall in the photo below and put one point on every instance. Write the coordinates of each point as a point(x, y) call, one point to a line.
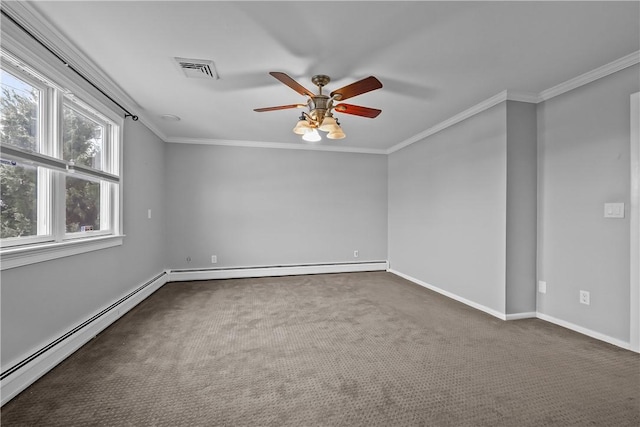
point(521, 207)
point(261, 206)
point(42, 301)
point(583, 138)
point(447, 209)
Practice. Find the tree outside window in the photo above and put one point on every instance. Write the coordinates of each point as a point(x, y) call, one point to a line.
point(82, 143)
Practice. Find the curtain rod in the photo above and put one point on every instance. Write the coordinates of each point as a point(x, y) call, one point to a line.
point(69, 66)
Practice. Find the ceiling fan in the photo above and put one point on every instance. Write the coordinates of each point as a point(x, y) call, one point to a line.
point(321, 106)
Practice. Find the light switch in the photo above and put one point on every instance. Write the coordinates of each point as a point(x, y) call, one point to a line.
point(614, 210)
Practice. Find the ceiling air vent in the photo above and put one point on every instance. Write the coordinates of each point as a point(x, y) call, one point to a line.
point(197, 68)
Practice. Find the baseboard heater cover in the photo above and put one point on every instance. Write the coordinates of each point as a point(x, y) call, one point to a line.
point(89, 328)
point(178, 275)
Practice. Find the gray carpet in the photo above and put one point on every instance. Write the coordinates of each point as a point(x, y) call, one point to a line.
point(358, 349)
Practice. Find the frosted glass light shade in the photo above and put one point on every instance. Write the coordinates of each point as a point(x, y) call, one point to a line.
point(312, 136)
point(329, 124)
point(336, 134)
point(302, 127)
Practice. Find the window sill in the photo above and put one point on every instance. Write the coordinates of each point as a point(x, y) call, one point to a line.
point(25, 255)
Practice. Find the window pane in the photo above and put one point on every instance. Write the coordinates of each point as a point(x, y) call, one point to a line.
point(83, 205)
point(19, 112)
point(82, 139)
point(18, 200)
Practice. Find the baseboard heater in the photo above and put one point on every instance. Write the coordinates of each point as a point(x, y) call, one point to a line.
point(275, 270)
point(79, 328)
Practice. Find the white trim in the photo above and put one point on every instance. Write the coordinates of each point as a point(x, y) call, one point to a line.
point(43, 363)
point(18, 49)
point(516, 316)
point(453, 296)
point(634, 219)
point(277, 145)
point(31, 19)
point(505, 95)
point(19, 256)
point(470, 112)
point(27, 54)
point(590, 76)
point(277, 270)
point(508, 95)
point(583, 331)
point(531, 98)
point(524, 315)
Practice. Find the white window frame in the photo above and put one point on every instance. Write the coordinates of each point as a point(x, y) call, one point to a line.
point(109, 163)
point(44, 229)
point(57, 243)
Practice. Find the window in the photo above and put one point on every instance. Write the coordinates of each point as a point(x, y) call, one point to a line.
point(59, 169)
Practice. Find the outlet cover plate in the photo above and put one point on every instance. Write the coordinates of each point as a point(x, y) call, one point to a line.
point(614, 210)
point(585, 298)
point(542, 287)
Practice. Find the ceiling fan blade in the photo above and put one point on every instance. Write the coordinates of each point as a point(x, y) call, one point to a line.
point(279, 107)
point(357, 110)
point(292, 83)
point(361, 86)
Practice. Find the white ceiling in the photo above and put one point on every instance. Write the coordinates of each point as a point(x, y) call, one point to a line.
point(435, 59)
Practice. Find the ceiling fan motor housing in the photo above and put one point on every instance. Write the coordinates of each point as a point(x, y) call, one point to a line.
point(318, 106)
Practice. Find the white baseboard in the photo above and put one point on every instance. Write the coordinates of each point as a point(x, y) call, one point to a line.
point(453, 296)
point(584, 331)
point(524, 315)
point(516, 316)
point(25, 371)
point(278, 270)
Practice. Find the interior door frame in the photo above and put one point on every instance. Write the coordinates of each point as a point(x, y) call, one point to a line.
point(634, 218)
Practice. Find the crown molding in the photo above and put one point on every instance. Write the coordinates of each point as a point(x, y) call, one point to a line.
point(26, 15)
point(276, 145)
point(590, 76)
point(508, 95)
point(469, 112)
point(32, 20)
point(529, 97)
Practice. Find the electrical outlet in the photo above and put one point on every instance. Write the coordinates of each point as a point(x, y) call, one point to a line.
point(614, 210)
point(542, 287)
point(214, 259)
point(356, 254)
point(585, 298)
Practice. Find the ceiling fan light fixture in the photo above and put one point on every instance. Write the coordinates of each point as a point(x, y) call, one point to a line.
point(302, 127)
point(321, 106)
point(336, 133)
point(329, 124)
point(312, 136)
